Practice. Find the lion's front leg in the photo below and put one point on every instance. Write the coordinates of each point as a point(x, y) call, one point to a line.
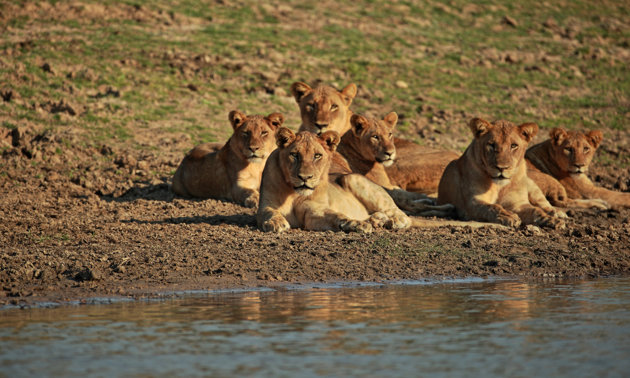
point(271, 220)
point(376, 200)
point(537, 216)
point(491, 212)
point(538, 199)
point(420, 204)
point(318, 217)
point(245, 196)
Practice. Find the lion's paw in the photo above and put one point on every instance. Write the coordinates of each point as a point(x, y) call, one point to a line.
point(508, 219)
point(276, 224)
point(379, 219)
point(352, 225)
point(558, 213)
point(551, 222)
point(252, 200)
point(399, 221)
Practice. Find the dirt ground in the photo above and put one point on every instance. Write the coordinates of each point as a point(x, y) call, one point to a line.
point(82, 219)
point(94, 235)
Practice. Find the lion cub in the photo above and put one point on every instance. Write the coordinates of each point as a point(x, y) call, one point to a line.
point(296, 190)
point(566, 157)
point(234, 171)
point(489, 182)
point(369, 147)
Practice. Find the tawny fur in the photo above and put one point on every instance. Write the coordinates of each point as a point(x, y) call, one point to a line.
point(490, 183)
point(368, 147)
point(296, 191)
point(417, 168)
point(232, 172)
point(565, 159)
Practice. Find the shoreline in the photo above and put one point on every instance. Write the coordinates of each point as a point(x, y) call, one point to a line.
point(165, 294)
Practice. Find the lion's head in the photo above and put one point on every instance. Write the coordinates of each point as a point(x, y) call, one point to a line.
point(375, 141)
point(305, 158)
point(501, 146)
point(323, 108)
point(573, 151)
point(253, 139)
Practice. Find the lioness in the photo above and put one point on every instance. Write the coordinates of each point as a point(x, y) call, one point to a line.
point(417, 169)
point(368, 147)
point(296, 190)
point(234, 171)
point(489, 182)
point(566, 156)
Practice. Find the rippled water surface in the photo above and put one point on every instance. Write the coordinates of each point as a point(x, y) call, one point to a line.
point(486, 328)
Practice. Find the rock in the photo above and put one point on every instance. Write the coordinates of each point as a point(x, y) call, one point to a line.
point(401, 84)
point(46, 68)
point(88, 274)
point(550, 23)
point(507, 20)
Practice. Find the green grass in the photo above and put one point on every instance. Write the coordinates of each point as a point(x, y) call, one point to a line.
point(441, 52)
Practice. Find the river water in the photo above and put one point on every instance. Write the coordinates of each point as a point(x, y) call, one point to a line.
point(453, 328)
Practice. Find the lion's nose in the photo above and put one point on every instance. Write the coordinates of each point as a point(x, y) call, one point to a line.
point(254, 148)
point(321, 125)
point(304, 177)
point(579, 165)
point(502, 167)
point(388, 154)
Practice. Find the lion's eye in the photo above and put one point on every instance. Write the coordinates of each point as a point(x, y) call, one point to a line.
point(264, 133)
point(375, 137)
point(514, 146)
point(309, 107)
point(492, 146)
point(245, 134)
point(334, 107)
point(586, 149)
point(317, 156)
point(567, 151)
point(390, 135)
point(294, 155)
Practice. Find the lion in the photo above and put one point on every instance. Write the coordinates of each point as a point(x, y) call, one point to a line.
point(566, 157)
point(232, 172)
point(368, 148)
point(489, 181)
point(417, 168)
point(324, 108)
point(296, 191)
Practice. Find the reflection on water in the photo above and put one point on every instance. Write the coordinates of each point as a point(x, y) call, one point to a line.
point(490, 328)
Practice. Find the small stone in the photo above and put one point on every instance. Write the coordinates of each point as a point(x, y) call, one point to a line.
point(507, 20)
point(401, 84)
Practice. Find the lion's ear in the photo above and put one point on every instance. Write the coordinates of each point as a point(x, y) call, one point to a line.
point(284, 137)
point(359, 124)
point(391, 119)
point(479, 126)
point(331, 138)
point(557, 135)
point(349, 93)
point(276, 119)
point(528, 131)
point(595, 138)
point(299, 90)
point(236, 118)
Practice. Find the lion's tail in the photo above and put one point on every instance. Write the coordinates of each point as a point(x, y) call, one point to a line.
point(432, 223)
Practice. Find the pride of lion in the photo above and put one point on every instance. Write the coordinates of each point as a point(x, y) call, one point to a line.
point(348, 172)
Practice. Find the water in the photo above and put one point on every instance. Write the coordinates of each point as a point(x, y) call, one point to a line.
point(489, 328)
